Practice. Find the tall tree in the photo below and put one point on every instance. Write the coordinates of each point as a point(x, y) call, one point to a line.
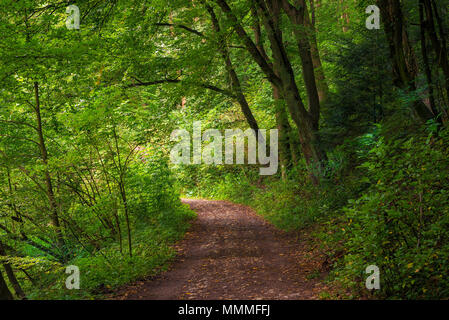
point(47, 177)
point(306, 120)
point(287, 150)
point(235, 82)
point(438, 38)
point(426, 62)
point(405, 66)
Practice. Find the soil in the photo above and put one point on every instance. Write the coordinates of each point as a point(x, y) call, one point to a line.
point(232, 253)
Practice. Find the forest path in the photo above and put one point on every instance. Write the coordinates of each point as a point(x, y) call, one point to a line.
point(232, 253)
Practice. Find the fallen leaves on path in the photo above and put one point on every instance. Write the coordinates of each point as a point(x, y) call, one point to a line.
point(232, 253)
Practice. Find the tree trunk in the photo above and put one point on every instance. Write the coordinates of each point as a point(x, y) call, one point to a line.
point(405, 67)
point(285, 82)
point(282, 124)
point(5, 294)
point(235, 82)
point(126, 209)
point(344, 16)
point(284, 130)
point(47, 178)
point(438, 44)
point(11, 276)
point(427, 69)
point(302, 35)
point(307, 122)
point(122, 190)
point(321, 83)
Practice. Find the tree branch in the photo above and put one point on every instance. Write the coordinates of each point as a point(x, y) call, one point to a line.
point(250, 46)
point(19, 123)
point(181, 26)
point(198, 84)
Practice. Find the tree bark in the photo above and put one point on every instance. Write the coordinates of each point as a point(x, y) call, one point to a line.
point(235, 82)
point(5, 294)
point(11, 276)
point(282, 123)
point(427, 69)
point(405, 67)
point(284, 129)
point(122, 189)
point(438, 44)
point(307, 122)
point(298, 18)
point(344, 16)
point(321, 82)
point(285, 82)
point(47, 177)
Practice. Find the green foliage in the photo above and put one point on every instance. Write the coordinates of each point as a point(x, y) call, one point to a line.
point(400, 223)
point(108, 268)
point(288, 204)
point(86, 117)
point(391, 210)
point(158, 218)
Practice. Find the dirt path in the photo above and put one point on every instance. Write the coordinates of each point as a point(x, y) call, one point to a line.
point(231, 253)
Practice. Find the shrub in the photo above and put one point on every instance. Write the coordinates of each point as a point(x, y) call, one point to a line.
point(400, 224)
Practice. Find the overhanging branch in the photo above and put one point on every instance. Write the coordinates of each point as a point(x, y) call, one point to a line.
point(198, 84)
point(181, 26)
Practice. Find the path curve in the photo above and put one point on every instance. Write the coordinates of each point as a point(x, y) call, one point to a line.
point(232, 253)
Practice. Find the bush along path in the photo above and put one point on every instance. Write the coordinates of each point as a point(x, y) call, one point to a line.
point(232, 253)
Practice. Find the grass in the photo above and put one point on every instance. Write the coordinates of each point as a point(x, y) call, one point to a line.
point(109, 268)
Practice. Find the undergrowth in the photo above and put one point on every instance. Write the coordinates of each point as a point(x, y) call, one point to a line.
point(386, 205)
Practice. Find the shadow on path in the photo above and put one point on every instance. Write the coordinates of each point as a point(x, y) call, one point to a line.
point(232, 253)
